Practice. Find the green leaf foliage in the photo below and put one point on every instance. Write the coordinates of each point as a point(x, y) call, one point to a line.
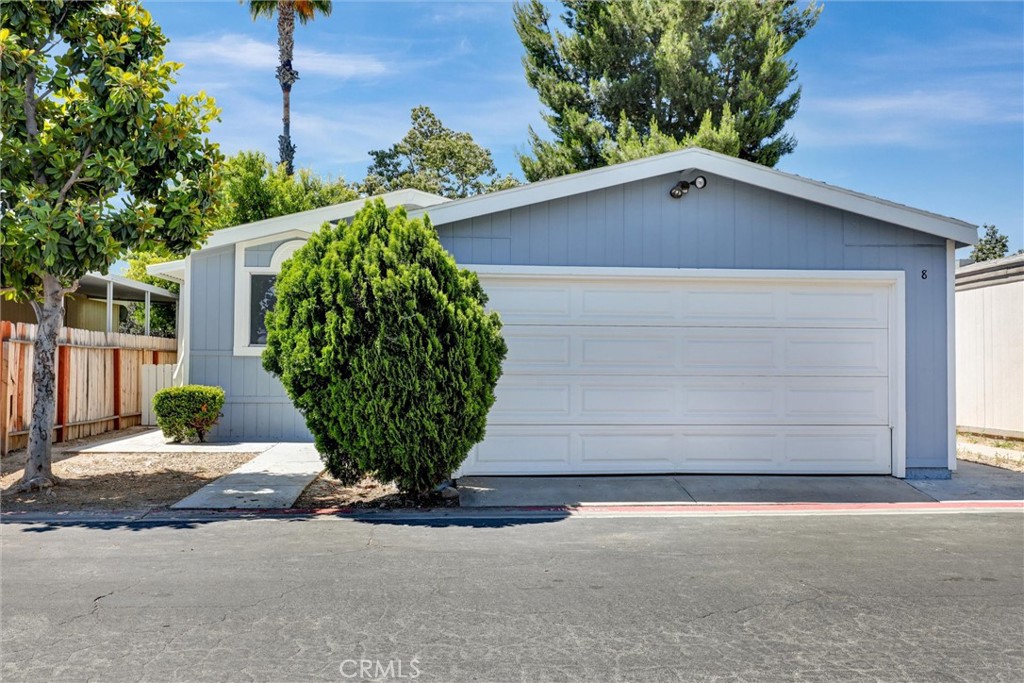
point(434, 159)
point(98, 158)
point(992, 245)
point(162, 316)
point(253, 189)
point(658, 69)
point(188, 413)
point(383, 344)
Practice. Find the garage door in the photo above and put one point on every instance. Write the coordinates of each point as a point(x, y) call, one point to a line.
point(754, 373)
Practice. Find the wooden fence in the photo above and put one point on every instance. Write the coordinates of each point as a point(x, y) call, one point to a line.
point(154, 378)
point(99, 381)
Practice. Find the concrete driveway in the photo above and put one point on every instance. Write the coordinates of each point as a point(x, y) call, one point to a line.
point(971, 482)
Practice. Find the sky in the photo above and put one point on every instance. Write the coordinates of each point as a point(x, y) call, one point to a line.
point(920, 103)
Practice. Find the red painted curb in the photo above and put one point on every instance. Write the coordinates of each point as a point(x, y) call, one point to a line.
point(655, 508)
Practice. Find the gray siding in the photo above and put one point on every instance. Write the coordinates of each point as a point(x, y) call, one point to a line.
point(256, 406)
point(260, 255)
point(733, 225)
point(725, 225)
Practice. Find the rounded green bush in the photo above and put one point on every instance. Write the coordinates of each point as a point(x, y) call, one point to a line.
point(383, 344)
point(187, 413)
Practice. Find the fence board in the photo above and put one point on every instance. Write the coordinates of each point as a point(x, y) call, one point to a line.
point(87, 402)
point(154, 378)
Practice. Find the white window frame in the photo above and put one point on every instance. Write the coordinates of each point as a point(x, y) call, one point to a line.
point(243, 283)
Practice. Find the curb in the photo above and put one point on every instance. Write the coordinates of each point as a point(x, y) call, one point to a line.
point(554, 512)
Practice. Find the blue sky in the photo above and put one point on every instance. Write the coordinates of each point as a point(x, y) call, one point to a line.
point(919, 102)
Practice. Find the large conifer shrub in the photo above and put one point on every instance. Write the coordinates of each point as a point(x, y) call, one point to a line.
point(383, 344)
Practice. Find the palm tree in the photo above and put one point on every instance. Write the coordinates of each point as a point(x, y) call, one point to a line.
point(287, 10)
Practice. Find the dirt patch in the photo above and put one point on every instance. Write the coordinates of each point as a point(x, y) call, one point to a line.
point(327, 492)
point(1005, 463)
point(994, 442)
point(112, 481)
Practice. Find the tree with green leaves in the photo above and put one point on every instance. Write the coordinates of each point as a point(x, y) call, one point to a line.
point(287, 11)
point(385, 347)
point(253, 189)
point(162, 316)
point(434, 159)
point(660, 67)
point(98, 160)
point(991, 246)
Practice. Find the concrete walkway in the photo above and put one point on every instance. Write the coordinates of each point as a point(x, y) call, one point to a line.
point(154, 441)
point(273, 479)
point(971, 482)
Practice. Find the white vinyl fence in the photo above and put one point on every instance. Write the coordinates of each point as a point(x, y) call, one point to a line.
point(154, 378)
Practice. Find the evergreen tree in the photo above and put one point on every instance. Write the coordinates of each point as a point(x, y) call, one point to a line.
point(992, 246)
point(434, 159)
point(660, 67)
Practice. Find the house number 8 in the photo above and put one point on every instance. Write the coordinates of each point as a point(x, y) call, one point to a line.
point(924, 274)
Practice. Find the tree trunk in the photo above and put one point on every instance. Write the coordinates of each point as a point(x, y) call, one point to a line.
point(50, 314)
point(286, 76)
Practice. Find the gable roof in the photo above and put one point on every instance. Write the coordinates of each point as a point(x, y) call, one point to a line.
point(697, 159)
point(310, 221)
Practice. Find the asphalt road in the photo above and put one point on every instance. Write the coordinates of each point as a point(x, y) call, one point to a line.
point(896, 598)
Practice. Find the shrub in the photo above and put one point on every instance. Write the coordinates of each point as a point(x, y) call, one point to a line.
point(187, 413)
point(383, 344)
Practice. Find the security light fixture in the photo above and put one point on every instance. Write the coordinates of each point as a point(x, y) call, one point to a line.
point(683, 186)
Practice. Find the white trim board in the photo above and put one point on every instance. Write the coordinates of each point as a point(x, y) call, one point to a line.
point(243, 284)
point(309, 222)
point(692, 160)
point(951, 354)
point(895, 281)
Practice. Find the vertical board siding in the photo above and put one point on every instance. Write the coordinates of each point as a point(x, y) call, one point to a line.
point(990, 358)
point(732, 225)
point(256, 405)
point(725, 225)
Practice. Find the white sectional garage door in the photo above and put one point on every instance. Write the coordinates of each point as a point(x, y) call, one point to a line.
point(765, 373)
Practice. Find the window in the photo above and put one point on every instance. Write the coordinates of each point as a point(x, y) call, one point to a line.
point(257, 263)
point(261, 300)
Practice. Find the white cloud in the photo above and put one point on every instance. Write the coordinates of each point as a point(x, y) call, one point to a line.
point(247, 53)
point(950, 106)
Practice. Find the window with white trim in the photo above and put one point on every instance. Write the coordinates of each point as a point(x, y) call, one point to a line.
point(254, 289)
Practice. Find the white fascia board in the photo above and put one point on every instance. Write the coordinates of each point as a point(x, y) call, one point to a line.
point(696, 159)
point(310, 221)
point(169, 270)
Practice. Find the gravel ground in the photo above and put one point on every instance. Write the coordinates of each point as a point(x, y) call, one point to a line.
point(328, 492)
point(106, 481)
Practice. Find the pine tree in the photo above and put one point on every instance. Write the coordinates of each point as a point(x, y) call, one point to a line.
point(661, 67)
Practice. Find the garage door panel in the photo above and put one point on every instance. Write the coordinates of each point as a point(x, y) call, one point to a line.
point(624, 303)
point(521, 401)
point(635, 449)
point(854, 400)
point(651, 449)
point(567, 399)
point(596, 303)
point(819, 451)
point(868, 307)
point(521, 451)
point(835, 352)
point(652, 351)
point(731, 305)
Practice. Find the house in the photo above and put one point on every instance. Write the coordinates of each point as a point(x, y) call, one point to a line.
point(990, 347)
point(99, 304)
point(688, 312)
